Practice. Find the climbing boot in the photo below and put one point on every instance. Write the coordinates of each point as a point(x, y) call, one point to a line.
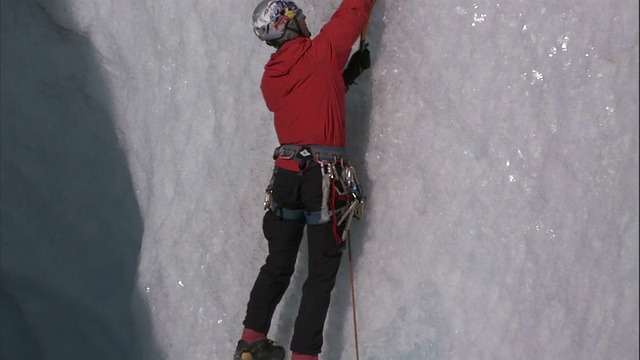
point(263, 349)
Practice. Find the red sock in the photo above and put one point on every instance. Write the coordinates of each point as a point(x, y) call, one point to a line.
point(251, 336)
point(296, 356)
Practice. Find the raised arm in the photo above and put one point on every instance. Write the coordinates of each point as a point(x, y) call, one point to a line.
point(343, 29)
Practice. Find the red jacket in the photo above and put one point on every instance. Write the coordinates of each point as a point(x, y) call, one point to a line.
point(303, 86)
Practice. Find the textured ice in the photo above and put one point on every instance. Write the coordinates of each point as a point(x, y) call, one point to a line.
point(497, 143)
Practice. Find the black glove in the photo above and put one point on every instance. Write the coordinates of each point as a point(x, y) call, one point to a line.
point(359, 62)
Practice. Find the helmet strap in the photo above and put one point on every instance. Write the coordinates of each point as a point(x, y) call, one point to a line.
point(297, 29)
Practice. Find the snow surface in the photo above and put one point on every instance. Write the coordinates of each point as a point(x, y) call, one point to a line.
point(497, 143)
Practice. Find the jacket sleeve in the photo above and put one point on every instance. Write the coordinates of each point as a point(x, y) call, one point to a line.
point(340, 33)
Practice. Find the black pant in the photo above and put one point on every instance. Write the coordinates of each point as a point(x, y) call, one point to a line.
point(296, 191)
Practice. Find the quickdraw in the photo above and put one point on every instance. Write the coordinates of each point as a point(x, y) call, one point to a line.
point(341, 187)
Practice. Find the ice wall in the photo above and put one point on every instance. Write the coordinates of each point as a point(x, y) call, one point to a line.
point(497, 143)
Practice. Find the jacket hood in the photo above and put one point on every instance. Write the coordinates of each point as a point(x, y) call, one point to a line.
point(286, 57)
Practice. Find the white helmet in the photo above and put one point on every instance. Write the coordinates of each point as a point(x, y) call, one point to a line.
point(271, 19)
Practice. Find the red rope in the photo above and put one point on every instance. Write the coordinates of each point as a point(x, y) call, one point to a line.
point(334, 198)
point(333, 210)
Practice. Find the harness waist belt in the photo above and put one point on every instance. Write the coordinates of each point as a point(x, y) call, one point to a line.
point(309, 152)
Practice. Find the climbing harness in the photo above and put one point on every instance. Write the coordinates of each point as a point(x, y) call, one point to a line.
point(342, 196)
point(305, 155)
